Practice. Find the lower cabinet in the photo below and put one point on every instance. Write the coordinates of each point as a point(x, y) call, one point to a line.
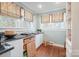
point(30, 46)
point(18, 48)
point(38, 40)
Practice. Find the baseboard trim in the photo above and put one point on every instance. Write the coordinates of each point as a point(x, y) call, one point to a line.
point(55, 44)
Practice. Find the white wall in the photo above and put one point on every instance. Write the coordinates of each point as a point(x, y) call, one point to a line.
point(75, 28)
point(54, 33)
point(36, 21)
point(55, 36)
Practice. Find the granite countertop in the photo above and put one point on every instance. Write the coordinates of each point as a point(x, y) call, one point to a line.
point(24, 36)
point(8, 47)
point(17, 37)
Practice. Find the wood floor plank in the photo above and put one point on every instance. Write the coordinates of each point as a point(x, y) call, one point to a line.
point(50, 51)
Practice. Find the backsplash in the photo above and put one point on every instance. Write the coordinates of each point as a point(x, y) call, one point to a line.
point(18, 25)
point(6, 22)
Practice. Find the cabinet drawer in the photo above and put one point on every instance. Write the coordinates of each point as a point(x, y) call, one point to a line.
point(26, 41)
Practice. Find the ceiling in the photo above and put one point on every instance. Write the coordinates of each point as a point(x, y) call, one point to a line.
point(46, 6)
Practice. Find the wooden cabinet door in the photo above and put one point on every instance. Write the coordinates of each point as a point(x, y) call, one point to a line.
point(10, 7)
point(28, 15)
point(14, 9)
point(31, 49)
point(22, 12)
point(17, 11)
point(4, 6)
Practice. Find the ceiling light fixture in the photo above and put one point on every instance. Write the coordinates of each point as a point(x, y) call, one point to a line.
point(40, 6)
point(57, 2)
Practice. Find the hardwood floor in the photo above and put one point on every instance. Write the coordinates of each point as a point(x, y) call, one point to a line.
point(50, 51)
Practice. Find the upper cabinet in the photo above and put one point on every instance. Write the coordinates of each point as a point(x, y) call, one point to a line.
point(28, 16)
point(22, 12)
point(45, 18)
point(3, 8)
point(18, 11)
point(10, 9)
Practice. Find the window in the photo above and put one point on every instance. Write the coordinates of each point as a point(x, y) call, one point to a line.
point(45, 18)
point(57, 17)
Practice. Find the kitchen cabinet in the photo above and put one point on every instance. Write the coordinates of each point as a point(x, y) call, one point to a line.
point(10, 9)
point(18, 48)
point(22, 12)
point(38, 40)
point(45, 18)
point(4, 8)
point(18, 11)
point(15, 10)
point(28, 16)
point(33, 43)
point(29, 46)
